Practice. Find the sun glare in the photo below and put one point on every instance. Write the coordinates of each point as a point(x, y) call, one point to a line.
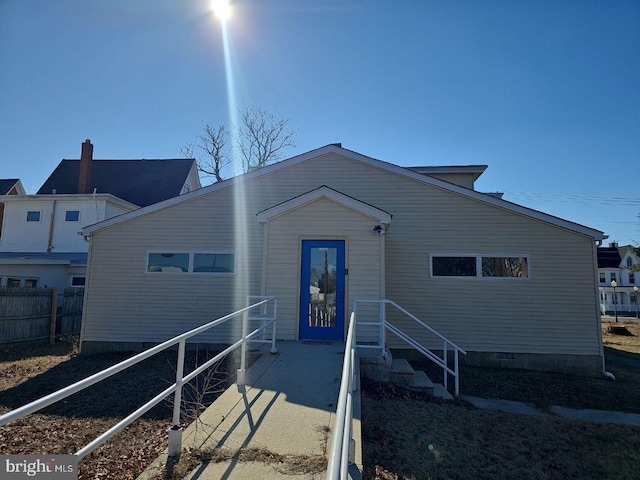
point(221, 9)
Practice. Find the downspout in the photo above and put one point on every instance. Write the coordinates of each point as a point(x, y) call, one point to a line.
point(52, 218)
point(596, 244)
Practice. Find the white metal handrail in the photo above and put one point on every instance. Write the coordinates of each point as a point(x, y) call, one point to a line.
point(442, 362)
point(175, 435)
point(342, 443)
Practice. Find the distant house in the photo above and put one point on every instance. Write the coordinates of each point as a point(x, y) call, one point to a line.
point(12, 186)
point(615, 268)
point(40, 243)
point(510, 285)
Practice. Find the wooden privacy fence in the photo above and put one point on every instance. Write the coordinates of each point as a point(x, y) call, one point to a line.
point(28, 314)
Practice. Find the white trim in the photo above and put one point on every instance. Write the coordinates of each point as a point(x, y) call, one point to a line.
point(333, 149)
point(324, 192)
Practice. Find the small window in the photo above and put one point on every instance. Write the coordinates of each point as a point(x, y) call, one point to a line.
point(168, 262)
point(505, 267)
point(213, 262)
point(602, 277)
point(78, 281)
point(632, 278)
point(613, 277)
point(454, 266)
point(33, 216)
point(31, 282)
point(72, 216)
point(629, 262)
point(13, 282)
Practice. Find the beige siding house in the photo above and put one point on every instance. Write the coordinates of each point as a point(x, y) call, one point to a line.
point(508, 284)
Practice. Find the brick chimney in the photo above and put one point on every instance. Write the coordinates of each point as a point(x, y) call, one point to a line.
point(86, 163)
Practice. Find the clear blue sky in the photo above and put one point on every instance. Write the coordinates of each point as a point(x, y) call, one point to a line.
point(547, 93)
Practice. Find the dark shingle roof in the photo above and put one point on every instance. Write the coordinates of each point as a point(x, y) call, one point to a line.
point(608, 257)
point(7, 184)
point(142, 182)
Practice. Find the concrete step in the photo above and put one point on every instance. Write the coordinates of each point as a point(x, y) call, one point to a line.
point(401, 372)
point(440, 392)
point(420, 382)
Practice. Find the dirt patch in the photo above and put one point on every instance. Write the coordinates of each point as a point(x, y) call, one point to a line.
point(288, 464)
point(628, 342)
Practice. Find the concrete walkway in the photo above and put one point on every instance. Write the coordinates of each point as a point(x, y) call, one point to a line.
point(585, 415)
point(286, 409)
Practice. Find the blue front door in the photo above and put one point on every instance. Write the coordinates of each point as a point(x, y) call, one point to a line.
point(322, 290)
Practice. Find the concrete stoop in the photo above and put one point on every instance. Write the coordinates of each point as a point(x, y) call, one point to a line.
point(385, 369)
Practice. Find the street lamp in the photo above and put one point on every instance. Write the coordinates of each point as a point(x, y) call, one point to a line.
point(614, 284)
point(635, 289)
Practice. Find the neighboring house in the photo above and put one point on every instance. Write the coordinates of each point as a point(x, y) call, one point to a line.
point(510, 285)
point(615, 264)
point(40, 243)
point(11, 186)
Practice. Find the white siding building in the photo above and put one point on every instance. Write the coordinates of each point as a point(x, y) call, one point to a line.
point(40, 241)
point(330, 226)
point(619, 283)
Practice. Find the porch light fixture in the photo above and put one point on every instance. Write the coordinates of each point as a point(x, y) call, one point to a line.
point(635, 289)
point(614, 284)
point(379, 229)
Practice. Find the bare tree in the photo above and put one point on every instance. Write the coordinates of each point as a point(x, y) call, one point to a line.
point(262, 138)
point(212, 141)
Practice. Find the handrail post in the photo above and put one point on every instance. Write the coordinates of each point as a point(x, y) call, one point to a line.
point(241, 374)
point(273, 331)
point(446, 363)
point(457, 379)
point(383, 329)
point(175, 434)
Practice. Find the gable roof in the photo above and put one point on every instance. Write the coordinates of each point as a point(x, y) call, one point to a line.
point(389, 167)
point(141, 182)
point(331, 194)
point(609, 257)
point(8, 184)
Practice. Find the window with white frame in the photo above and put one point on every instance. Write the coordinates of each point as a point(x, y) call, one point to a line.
point(480, 266)
point(613, 277)
point(18, 282)
point(72, 216)
point(603, 277)
point(33, 216)
point(632, 277)
point(191, 262)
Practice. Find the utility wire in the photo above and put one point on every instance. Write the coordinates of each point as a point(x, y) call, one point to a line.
point(584, 199)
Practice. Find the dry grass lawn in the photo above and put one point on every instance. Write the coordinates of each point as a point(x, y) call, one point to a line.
point(405, 435)
point(30, 372)
point(411, 437)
